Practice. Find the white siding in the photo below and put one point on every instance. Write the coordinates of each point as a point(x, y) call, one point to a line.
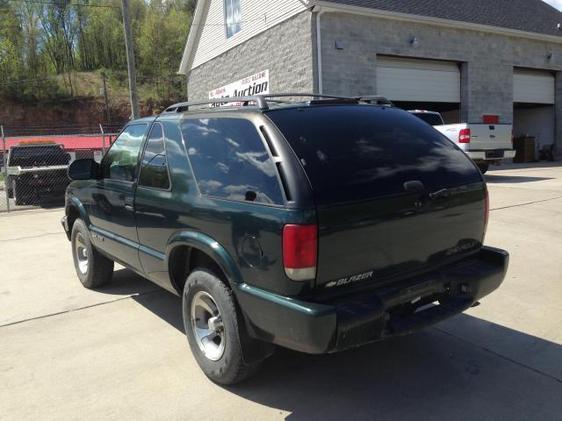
point(415, 80)
point(533, 86)
point(257, 16)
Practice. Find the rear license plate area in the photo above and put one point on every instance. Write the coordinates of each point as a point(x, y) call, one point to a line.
point(494, 154)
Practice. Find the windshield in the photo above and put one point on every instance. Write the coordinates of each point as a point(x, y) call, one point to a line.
point(359, 152)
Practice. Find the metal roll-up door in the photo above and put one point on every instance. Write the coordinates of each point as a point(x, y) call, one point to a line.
point(415, 80)
point(533, 87)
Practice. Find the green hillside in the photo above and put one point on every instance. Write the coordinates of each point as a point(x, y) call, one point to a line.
point(58, 49)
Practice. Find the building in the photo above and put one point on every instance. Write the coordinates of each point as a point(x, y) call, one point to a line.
point(464, 58)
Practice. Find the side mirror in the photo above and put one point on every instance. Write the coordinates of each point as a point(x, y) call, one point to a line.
point(84, 169)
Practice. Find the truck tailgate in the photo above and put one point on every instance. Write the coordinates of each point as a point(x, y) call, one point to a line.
point(489, 137)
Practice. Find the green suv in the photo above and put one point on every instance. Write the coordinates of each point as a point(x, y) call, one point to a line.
point(309, 222)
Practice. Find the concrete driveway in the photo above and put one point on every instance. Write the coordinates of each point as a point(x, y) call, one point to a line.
point(120, 353)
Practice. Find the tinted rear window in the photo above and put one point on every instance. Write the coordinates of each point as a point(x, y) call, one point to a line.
point(430, 118)
point(360, 152)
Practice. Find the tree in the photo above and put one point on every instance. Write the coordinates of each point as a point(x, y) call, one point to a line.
point(40, 40)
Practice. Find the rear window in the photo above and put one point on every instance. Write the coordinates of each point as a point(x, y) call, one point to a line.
point(230, 161)
point(430, 118)
point(359, 152)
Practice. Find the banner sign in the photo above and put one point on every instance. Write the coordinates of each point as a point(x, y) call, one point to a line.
point(251, 85)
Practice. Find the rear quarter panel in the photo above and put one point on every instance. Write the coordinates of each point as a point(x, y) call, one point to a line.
point(251, 233)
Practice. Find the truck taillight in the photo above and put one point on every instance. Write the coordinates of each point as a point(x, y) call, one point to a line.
point(300, 251)
point(464, 136)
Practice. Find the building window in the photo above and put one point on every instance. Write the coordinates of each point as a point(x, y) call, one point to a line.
point(232, 17)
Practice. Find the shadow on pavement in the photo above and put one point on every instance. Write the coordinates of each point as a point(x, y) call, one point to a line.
point(463, 369)
point(508, 166)
point(126, 282)
point(492, 178)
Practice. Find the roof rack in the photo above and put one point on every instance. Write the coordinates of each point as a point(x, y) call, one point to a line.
point(261, 101)
point(245, 100)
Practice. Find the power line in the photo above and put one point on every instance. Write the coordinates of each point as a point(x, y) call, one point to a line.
point(178, 78)
point(162, 8)
point(16, 82)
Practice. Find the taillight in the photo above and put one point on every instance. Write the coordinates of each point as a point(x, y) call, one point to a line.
point(300, 251)
point(486, 210)
point(464, 136)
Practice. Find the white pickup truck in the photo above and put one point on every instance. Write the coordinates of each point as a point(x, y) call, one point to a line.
point(484, 143)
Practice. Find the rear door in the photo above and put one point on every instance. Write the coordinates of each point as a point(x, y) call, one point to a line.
point(111, 206)
point(393, 195)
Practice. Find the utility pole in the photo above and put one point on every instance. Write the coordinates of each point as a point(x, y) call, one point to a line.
point(106, 99)
point(130, 60)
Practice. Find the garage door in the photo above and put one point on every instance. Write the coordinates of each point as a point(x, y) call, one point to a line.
point(533, 87)
point(413, 80)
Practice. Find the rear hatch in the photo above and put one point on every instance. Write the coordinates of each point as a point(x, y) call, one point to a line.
point(393, 196)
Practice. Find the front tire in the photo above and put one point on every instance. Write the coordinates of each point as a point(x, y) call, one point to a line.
point(212, 324)
point(93, 268)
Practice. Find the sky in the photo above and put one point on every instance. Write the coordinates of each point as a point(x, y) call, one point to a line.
point(555, 3)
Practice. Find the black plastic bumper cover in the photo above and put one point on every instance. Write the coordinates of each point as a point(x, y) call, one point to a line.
point(358, 319)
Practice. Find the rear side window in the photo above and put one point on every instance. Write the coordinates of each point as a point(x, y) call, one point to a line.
point(359, 152)
point(154, 165)
point(230, 161)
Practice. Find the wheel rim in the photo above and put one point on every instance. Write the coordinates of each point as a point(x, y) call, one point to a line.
point(81, 253)
point(207, 326)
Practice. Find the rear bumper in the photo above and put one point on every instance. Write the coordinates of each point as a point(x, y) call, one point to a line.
point(491, 155)
point(358, 319)
point(29, 184)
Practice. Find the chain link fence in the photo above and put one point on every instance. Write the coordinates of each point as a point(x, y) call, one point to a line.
point(34, 161)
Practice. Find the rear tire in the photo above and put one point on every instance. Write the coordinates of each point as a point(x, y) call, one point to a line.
point(483, 167)
point(93, 268)
point(212, 324)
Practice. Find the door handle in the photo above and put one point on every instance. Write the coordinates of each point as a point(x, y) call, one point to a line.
point(130, 208)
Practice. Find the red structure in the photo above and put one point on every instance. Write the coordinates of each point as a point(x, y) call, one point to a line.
point(71, 143)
